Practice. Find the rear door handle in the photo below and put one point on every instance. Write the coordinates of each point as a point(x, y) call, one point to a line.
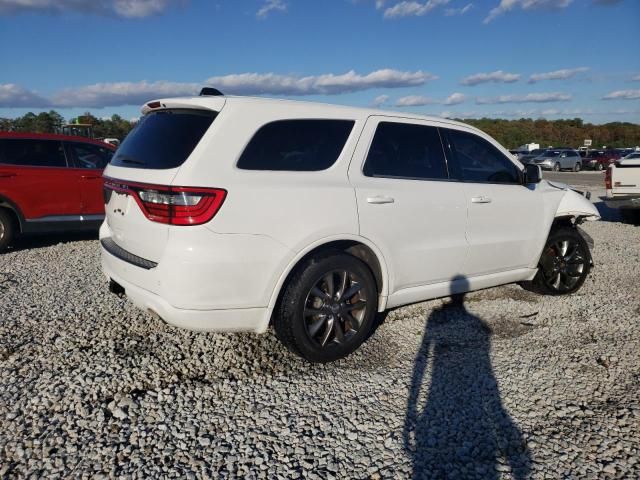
point(378, 200)
point(480, 200)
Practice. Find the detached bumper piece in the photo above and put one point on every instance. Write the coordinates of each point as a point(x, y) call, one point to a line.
point(110, 246)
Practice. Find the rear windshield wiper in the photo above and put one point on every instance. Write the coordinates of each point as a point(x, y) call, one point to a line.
point(124, 159)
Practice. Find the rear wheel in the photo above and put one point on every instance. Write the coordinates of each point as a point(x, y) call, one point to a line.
point(328, 307)
point(7, 229)
point(556, 167)
point(599, 167)
point(577, 167)
point(564, 264)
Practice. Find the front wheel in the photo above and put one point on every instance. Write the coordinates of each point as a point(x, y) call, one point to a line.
point(7, 229)
point(599, 167)
point(577, 167)
point(328, 307)
point(556, 167)
point(564, 264)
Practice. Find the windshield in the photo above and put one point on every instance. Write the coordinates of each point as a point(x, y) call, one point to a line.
point(551, 153)
point(163, 139)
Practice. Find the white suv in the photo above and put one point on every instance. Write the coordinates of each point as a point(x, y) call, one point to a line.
point(233, 213)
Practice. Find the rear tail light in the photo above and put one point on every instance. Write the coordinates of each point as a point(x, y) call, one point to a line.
point(172, 205)
point(607, 178)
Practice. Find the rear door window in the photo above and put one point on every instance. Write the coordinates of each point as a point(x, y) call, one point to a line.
point(296, 145)
point(163, 139)
point(402, 150)
point(477, 160)
point(87, 155)
point(33, 153)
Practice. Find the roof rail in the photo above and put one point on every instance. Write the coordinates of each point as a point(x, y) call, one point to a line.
point(211, 92)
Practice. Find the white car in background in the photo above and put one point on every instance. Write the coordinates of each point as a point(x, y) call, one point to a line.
point(233, 214)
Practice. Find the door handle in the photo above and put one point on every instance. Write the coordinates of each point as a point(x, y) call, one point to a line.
point(480, 200)
point(90, 177)
point(378, 200)
point(7, 175)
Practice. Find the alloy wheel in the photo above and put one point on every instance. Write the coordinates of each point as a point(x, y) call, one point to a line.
point(335, 308)
point(563, 264)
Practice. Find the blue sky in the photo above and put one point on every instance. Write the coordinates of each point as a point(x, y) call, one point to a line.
point(462, 58)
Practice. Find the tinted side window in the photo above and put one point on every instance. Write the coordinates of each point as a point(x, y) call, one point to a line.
point(36, 153)
point(406, 151)
point(87, 155)
point(296, 145)
point(479, 161)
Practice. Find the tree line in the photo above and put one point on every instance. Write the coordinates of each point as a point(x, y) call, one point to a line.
point(510, 133)
point(558, 133)
point(52, 122)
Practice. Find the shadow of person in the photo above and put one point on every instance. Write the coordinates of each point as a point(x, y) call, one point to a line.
point(456, 426)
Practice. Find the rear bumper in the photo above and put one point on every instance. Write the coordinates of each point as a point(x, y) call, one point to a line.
point(203, 280)
point(228, 320)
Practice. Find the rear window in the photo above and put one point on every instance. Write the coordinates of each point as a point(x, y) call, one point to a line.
point(163, 139)
point(34, 153)
point(296, 145)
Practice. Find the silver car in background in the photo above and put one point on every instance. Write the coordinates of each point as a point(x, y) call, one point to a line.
point(557, 159)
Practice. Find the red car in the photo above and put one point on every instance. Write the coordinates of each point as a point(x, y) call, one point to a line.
point(600, 159)
point(50, 183)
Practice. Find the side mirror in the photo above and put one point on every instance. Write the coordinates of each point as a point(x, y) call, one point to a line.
point(532, 173)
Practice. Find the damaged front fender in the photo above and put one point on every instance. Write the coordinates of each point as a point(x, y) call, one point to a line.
point(577, 206)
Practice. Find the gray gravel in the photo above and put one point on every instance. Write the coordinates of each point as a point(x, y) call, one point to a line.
point(511, 385)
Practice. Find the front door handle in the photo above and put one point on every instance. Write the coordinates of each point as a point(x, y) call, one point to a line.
point(480, 200)
point(378, 200)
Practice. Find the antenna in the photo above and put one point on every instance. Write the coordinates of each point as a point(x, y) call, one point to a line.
point(211, 92)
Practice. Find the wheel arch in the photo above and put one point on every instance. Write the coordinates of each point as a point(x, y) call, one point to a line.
point(359, 247)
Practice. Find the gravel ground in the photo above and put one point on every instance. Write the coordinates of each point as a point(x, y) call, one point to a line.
point(510, 385)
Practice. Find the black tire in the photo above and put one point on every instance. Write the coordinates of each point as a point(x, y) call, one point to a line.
point(561, 273)
point(577, 167)
point(599, 167)
point(556, 167)
point(307, 314)
point(7, 229)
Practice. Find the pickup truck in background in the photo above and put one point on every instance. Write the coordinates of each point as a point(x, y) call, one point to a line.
point(622, 182)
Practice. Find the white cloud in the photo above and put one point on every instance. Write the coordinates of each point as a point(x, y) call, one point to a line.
point(508, 5)
point(623, 95)
point(415, 101)
point(121, 93)
point(135, 93)
point(411, 8)
point(636, 78)
point(450, 12)
point(562, 74)
point(379, 100)
point(528, 98)
point(497, 77)
point(327, 84)
point(121, 8)
point(455, 99)
point(12, 95)
point(271, 6)
point(420, 101)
